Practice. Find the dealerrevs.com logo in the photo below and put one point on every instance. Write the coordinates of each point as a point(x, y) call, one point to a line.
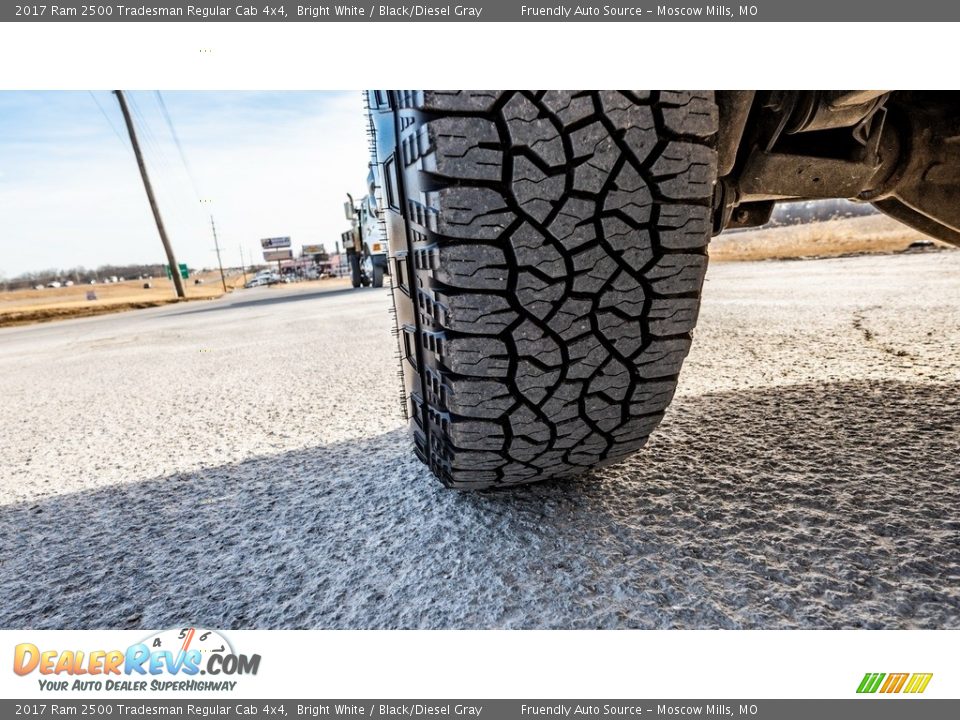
point(170, 660)
point(887, 684)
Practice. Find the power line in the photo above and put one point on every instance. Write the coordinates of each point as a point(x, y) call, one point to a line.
point(126, 143)
point(176, 140)
point(175, 201)
point(156, 152)
point(109, 121)
point(170, 166)
point(161, 103)
point(182, 210)
point(161, 157)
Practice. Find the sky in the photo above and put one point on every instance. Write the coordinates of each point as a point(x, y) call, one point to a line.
point(262, 163)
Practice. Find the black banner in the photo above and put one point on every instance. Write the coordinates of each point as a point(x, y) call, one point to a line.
point(481, 11)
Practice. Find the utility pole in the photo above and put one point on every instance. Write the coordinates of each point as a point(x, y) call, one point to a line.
point(171, 259)
point(216, 244)
point(243, 265)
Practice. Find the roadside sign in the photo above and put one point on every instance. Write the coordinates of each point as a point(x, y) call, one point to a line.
point(314, 249)
point(277, 255)
point(275, 242)
point(184, 271)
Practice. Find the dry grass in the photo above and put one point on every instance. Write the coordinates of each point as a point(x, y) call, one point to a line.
point(832, 238)
point(22, 307)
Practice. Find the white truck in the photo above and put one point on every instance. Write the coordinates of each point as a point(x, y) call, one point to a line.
point(365, 243)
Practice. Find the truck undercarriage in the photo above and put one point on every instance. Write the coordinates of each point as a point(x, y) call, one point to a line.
point(898, 150)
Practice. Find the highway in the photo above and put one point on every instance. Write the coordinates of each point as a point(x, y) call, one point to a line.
point(243, 463)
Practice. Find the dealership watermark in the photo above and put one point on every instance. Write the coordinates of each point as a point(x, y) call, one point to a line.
point(185, 659)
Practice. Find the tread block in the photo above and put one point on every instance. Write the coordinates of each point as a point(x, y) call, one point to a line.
point(536, 192)
point(471, 267)
point(459, 100)
point(663, 357)
point(470, 213)
point(673, 316)
point(531, 249)
point(477, 435)
point(480, 357)
point(568, 105)
point(685, 171)
point(533, 381)
point(684, 227)
point(651, 397)
point(453, 147)
point(479, 398)
point(533, 131)
point(531, 341)
point(677, 274)
point(689, 113)
point(484, 314)
point(538, 297)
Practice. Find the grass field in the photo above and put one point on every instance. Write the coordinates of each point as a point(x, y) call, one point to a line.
point(832, 238)
point(20, 307)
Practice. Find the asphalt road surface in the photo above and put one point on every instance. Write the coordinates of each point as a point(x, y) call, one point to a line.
point(242, 463)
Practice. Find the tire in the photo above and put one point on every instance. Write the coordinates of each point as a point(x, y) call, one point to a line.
point(354, 269)
point(377, 275)
point(554, 247)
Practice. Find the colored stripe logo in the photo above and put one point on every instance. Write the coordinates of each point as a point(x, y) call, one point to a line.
point(912, 683)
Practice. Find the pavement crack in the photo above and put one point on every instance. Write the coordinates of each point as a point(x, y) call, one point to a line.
point(871, 338)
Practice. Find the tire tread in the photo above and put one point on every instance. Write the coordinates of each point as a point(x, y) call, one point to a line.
point(560, 242)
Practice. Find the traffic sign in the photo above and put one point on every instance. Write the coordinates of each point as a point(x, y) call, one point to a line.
point(184, 271)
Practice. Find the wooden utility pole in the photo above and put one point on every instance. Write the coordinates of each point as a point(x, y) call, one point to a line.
point(243, 266)
point(171, 259)
point(216, 244)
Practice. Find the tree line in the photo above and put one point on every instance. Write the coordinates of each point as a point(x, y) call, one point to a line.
point(80, 275)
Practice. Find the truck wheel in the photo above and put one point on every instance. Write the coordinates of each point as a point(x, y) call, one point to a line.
point(554, 247)
point(354, 269)
point(377, 275)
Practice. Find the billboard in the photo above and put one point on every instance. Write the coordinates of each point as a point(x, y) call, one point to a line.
point(275, 242)
point(314, 249)
point(277, 255)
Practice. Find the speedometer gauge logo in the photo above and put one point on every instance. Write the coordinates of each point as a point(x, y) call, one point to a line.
point(190, 638)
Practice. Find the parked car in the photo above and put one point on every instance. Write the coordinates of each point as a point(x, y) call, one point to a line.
point(263, 278)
